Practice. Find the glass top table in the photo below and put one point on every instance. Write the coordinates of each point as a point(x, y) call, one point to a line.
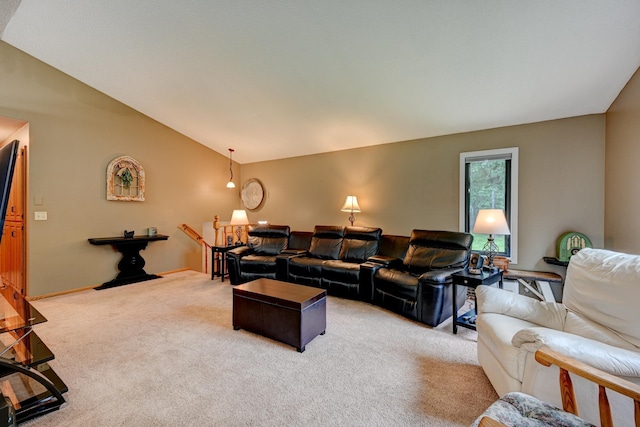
point(16, 312)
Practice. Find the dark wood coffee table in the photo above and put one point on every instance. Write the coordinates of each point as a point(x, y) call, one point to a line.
point(292, 314)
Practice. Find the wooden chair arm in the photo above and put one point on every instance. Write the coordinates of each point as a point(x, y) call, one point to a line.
point(545, 356)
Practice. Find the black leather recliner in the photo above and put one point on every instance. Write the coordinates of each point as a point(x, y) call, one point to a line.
point(325, 244)
point(341, 277)
point(333, 259)
point(258, 258)
point(419, 285)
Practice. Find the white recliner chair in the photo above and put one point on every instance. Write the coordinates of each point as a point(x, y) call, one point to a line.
point(597, 323)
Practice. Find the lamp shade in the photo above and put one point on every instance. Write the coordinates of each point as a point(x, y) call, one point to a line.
point(491, 221)
point(351, 205)
point(239, 217)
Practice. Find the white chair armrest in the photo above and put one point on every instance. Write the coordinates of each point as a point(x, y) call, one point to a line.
point(495, 300)
point(613, 360)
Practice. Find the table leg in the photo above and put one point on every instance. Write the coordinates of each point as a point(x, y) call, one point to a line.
point(455, 308)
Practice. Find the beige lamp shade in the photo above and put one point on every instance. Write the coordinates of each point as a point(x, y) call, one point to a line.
point(239, 217)
point(491, 221)
point(351, 205)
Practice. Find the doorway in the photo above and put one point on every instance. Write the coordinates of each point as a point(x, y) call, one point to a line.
point(13, 250)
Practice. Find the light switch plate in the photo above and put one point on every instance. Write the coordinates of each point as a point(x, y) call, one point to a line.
point(41, 216)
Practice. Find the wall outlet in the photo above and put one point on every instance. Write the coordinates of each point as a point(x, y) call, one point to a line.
point(41, 216)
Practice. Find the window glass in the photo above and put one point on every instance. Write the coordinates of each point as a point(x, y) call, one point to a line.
point(487, 182)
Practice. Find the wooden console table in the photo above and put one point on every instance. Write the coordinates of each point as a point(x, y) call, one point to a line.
point(131, 265)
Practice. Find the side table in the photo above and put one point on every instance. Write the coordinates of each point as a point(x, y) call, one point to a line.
point(219, 257)
point(463, 278)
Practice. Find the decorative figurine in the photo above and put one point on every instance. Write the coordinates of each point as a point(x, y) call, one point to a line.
point(128, 234)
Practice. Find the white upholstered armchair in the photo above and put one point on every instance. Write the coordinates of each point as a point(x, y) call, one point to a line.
point(597, 323)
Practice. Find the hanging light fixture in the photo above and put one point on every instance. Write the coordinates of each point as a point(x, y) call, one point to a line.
point(230, 184)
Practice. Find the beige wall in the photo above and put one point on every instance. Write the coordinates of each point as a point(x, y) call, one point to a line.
point(75, 131)
point(622, 230)
point(414, 184)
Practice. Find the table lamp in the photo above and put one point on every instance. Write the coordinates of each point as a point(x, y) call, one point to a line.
point(351, 206)
point(491, 221)
point(239, 218)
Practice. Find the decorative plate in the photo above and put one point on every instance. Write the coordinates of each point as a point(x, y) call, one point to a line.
point(252, 194)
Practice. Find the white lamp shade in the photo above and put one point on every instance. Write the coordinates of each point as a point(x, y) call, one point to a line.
point(491, 221)
point(230, 184)
point(239, 217)
point(351, 205)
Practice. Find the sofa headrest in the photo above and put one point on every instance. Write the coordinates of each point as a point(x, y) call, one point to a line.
point(268, 239)
point(362, 233)
point(360, 243)
point(326, 242)
point(268, 230)
point(429, 250)
point(328, 231)
point(604, 286)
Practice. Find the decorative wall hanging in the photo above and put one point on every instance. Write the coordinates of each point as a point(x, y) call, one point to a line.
point(252, 194)
point(125, 180)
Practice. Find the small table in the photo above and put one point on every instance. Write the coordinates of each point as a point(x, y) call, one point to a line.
point(464, 278)
point(221, 260)
point(131, 265)
point(292, 314)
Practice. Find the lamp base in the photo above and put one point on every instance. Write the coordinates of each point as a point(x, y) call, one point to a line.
point(490, 248)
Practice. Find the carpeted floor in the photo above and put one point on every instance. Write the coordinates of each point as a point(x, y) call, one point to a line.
point(164, 353)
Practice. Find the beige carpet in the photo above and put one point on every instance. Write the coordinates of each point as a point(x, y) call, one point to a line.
point(164, 353)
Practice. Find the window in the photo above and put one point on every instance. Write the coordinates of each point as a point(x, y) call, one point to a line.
point(489, 180)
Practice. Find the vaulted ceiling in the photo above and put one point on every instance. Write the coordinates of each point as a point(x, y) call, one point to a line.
point(282, 78)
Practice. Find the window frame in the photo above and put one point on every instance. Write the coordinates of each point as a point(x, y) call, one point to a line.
point(511, 198)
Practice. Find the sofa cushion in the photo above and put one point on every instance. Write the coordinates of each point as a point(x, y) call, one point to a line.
point(326, 242)
point(340, 271)
point(360, 243)
point(258, 263)
point(306, 267)
point(429, 250)
point(398, 283)
point(603, 286)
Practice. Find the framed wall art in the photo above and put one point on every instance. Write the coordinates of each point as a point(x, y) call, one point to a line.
point(125, 180)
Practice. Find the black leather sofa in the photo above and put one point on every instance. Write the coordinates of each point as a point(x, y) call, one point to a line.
point(408, 275)
point(418, 285)
point(333, 259)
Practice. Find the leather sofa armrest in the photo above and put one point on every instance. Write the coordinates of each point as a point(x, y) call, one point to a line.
point(367, 272)
point(282, 263)
point(233, 263)
point(614, 360)
point(438, 276)
point(384, 261)
point(294, 252)
point(239, 252)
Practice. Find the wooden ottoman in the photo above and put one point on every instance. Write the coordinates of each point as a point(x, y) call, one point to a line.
point(292, 314)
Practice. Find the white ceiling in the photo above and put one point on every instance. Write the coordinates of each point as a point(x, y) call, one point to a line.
point(282, 78)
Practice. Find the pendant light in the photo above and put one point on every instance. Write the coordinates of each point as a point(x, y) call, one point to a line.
point(230, 184)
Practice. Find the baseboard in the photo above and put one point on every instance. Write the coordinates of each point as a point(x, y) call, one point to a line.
point(86, 288)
